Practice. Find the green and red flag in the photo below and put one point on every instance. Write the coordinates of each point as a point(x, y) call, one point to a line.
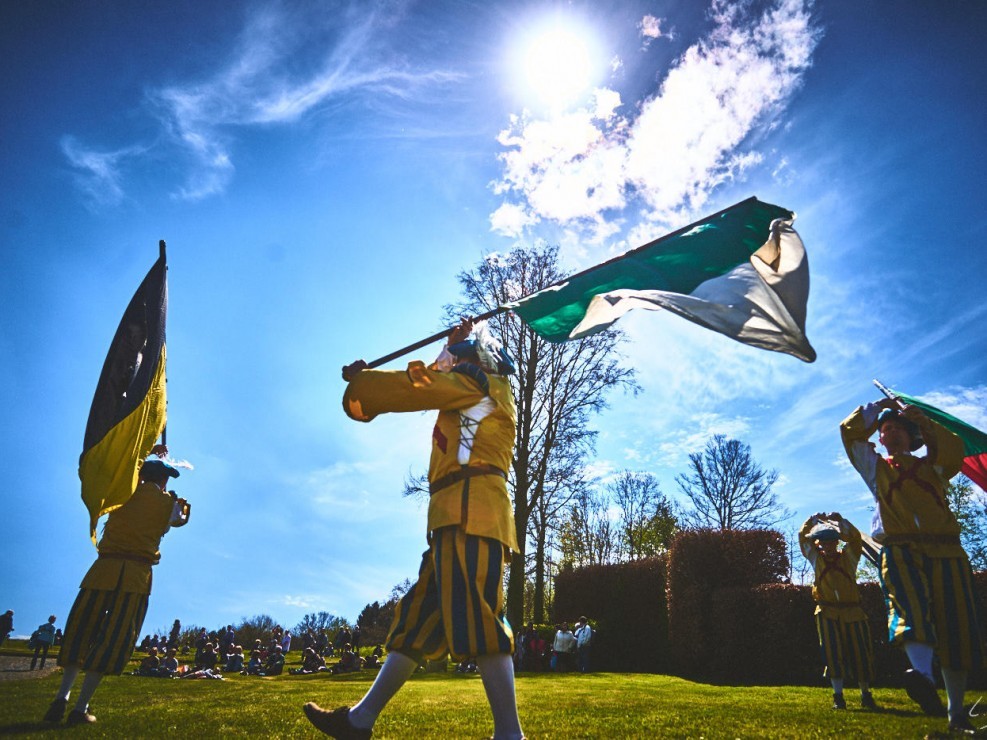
point(974, 440)
point(128, 411)
point(742, 272)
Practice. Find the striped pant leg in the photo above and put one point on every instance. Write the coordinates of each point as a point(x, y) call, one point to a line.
point(955, 614)
point(830, 646)
point(907, 580)
point(102, 629)
point(859, 648)
point(416, 629)
point(470, 580)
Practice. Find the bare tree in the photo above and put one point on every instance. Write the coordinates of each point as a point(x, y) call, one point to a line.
point(728, 489)
point(558, 387)
point(587, 535)
point(969, 505)
point(647, 518)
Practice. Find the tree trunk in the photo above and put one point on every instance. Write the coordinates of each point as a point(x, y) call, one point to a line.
point(538, 607)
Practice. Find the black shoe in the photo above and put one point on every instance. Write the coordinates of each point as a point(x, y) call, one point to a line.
point(56, 710)
point(78, 717)
point(839, 702)
point(923, 692)
point(867, 700)
point(335, 723)
point(963, 728)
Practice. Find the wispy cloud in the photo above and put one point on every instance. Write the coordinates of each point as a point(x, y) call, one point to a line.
point(98, 174)
point(285, 67)
point(666, 156)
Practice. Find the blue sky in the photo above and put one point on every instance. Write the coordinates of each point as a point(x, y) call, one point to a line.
point(322, 171)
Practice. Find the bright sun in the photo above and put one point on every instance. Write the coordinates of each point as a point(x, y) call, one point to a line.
point(557, 64)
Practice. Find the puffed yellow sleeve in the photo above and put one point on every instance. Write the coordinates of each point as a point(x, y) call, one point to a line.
point(419, 388)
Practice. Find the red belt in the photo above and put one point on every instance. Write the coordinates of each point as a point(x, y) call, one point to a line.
point(469, 471)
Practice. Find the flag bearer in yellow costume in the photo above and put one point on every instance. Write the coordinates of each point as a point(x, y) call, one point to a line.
point(924, 569)
point(457, 602)
point(844, 633)
point(106, 618)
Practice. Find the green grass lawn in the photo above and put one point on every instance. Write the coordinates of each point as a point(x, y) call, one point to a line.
point(600, 705)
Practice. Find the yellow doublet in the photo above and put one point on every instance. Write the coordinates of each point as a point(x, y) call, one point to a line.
point(135, 529)
point(911, 490)
point(480, 505)
point(834, 588)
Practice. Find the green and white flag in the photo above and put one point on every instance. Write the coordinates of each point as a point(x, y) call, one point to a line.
point(742, 272)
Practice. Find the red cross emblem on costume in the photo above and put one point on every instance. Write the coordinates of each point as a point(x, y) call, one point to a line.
point(440, 439)
point(910, 473)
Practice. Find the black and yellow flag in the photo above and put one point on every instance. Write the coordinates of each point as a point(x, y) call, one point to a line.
point(129, 408)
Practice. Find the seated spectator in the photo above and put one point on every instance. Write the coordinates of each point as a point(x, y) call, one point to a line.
point(255, 665)
point(170, 666)
point(208, 659)
point(150, 665)
point(348, 661)
point(234, 661)
point(312, 662)
point(145, 645)
point(274, 664)
point(374, 660)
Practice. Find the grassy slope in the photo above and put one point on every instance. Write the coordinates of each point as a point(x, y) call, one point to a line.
point(453, 706)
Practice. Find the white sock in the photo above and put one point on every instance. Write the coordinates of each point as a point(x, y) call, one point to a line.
point(920, 656)
point(69, 674)
point(89, 684)
point(396, 670)
point(837, 685)
point(955, 689)
point(497, 672)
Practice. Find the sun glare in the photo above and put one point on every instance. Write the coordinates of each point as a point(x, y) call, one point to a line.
point(557, 65)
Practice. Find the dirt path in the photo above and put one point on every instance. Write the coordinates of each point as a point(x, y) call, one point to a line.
point(15, 667)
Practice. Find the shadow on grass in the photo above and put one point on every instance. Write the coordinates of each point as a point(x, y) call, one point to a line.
point(25, 728)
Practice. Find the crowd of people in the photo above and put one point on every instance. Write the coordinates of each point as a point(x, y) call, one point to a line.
point(216, 653)
point(569, 649)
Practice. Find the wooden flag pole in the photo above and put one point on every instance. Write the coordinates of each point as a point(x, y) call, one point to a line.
point(428, 340)
point(161, 253)
point(888, 392)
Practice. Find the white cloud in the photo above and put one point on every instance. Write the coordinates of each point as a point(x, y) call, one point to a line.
point(966, 404)
point(650, 28)
point(680, 144)
point(265, 82)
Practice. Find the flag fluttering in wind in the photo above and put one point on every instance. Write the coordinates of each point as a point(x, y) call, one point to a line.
point(128, 411)
point(742, 272)
point(974, 440)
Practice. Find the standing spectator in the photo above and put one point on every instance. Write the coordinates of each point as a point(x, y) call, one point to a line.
point(844, 633)
point(58, 637)
point(6, 625)
point(584, 639)
point(456, 604)
point(286, 642)
point(176, 630)
point(116, 588)
point(343, 638)
point(924, 568)
point(322, 642)
point(356, 639)
point(44, 638)
point(564, 649)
